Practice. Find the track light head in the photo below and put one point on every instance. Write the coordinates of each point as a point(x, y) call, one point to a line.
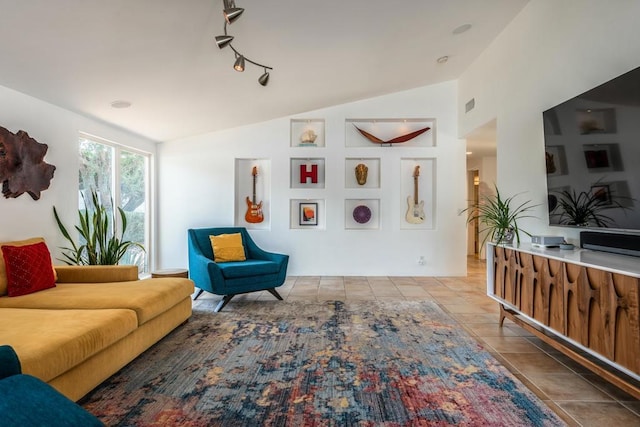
point(239, 64)
point(231, 12)
point(264, 79)
point(223, 41)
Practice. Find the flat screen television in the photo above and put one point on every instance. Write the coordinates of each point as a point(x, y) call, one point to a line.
point(592, 155)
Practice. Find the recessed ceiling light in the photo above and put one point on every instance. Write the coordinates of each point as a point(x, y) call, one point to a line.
point(469, 153)
point(121, 104)
point(462, 28)
point(442, 59)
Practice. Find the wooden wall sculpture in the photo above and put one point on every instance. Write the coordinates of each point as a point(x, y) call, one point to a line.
point(22, 165)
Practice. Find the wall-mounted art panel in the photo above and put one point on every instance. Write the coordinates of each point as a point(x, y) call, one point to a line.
point(390, 133)
point(362, 214)
point(307, 133)
point(307, 173)
point(362, 172)
point(418, 189)
point(253, 193)
point(307, 214)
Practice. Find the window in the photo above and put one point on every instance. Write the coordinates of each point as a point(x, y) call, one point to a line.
point(121, 174)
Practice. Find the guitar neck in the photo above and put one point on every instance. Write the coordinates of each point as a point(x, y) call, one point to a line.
point(415, 190)
point(254, 189)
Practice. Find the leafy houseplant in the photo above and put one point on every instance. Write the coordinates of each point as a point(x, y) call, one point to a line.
point(499, 217)
point(584, 209)
point(102, 243)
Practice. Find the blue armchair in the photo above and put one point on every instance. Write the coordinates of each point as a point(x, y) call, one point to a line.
point(262, 270)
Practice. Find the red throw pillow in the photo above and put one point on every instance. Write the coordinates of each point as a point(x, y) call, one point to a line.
point(28, 269)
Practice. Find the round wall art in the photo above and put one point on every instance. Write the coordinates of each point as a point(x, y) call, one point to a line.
point(361, 214)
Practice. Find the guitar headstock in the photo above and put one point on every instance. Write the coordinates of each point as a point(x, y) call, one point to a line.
point(416, 171)
point(254, 172)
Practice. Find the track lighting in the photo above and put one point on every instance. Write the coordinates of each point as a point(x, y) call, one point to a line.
point(232, 13)
point(264, 79)
point(239, 65)
point(222, 41)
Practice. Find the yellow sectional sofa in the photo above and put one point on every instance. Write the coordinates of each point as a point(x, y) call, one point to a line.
point(91, 324)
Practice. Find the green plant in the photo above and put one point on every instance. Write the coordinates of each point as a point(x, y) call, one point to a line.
point(102, 243)
point(584, 209)
point(499, 217)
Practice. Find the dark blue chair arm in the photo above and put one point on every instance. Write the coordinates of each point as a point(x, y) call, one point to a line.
point(9, 362)
point(203, 271)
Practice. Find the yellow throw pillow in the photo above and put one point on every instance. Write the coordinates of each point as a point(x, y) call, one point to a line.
point(227, 247)
point(3, 269)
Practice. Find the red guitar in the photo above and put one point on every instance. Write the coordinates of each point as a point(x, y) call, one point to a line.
point(254, 211)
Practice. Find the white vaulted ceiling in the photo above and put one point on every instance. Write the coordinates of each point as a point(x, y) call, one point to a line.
point(161, 55)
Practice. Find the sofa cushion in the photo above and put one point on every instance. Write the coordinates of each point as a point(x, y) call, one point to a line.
point(148, 298)
point(28, 268)
point(50, 342)
point(252, 267)
point(227, 247)
point(3, 273)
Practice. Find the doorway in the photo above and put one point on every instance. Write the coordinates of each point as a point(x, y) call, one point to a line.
point(481, 177)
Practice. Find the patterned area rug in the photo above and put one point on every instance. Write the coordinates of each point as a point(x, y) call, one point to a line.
point(318, 364)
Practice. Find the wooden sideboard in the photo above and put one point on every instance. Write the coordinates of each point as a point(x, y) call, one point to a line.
point(583, 303)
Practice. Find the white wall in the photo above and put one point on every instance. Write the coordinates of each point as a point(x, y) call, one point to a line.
point(552, 51)
point(24, 217)
point(196, 182)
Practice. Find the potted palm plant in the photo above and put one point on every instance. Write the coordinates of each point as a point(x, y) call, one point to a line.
point(499, 217)
point(101, 241)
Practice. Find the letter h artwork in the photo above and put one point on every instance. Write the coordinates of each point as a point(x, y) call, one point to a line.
point(307, 173)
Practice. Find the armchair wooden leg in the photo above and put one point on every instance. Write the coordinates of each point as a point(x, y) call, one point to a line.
point(275, 293)
point(224, 301)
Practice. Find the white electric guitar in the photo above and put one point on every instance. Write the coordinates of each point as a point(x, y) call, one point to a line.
point(415, 210)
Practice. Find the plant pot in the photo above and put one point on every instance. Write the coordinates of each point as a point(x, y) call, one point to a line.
point(504, 236)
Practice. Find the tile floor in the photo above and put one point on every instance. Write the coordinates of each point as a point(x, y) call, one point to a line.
point(578, 396)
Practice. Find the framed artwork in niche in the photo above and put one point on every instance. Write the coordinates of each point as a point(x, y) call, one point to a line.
point(252, 193)
point(307, 173)
point(362, 214)
point(362, 172)
point(308, 214)
point(307, 133)
point(372, 133)
point(418, 193)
